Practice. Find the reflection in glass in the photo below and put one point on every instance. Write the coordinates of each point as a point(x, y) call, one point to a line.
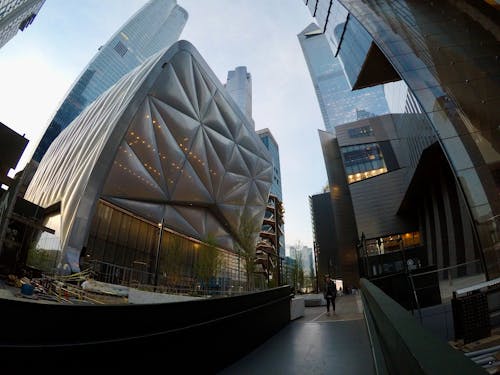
point(363, 161)
point(46, 249)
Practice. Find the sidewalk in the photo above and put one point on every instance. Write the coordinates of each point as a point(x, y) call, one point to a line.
point(315, 344)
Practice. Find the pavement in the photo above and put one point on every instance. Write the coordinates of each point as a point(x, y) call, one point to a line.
point(315, 344)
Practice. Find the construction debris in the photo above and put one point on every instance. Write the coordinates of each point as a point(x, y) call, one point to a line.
point(76, 288)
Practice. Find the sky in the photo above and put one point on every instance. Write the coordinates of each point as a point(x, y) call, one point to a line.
point(38, 67)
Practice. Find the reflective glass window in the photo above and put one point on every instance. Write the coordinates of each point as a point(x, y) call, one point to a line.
point(363, 161)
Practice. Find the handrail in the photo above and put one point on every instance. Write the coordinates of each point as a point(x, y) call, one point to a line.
point(406, 346)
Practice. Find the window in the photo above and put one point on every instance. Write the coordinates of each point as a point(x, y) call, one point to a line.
point(45, 251)
point(364, 131)
point(363, 161)
point(121, 49)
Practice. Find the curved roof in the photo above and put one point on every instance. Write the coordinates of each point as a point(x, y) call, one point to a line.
point(166, 142)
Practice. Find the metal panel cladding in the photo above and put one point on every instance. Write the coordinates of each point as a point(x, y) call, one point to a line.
point(166, 142)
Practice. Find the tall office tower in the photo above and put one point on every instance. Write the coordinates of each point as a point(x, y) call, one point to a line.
point(267, 138)
point(338, 103)
point(400, 99)
point(271, 245)
point(154, 27)
point(308, 261)
point(326, 252)
point(447, 148)
point(16, 15)
point(239, 86)
point(276, 197)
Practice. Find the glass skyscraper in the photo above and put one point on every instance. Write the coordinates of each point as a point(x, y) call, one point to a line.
point(156, 26)
point(447, 56)
point(272, 146)
point(239, 86)
point(16, 15)
point(338, 103)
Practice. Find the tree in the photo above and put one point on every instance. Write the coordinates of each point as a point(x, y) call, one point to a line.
point(208, 261)
point(246, 246)
point(172, 262)
point(298, 267)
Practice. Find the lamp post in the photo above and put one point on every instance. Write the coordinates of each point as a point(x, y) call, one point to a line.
point(366, 267)
point(239, 277)
point(158, 248)
point(409, 276)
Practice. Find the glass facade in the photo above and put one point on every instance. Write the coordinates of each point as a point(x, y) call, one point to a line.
point(46, 248)
point(338, 103)
point(448, 57)
point(363, 131)
point(16, 15)
point(356, 43)
point(268, 140)
point(271, 144)
point(155, 26)
point(363, 161)
point(126, 249)
point(239, 86)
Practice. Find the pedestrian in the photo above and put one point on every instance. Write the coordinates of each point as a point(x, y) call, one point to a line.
point(330, 293)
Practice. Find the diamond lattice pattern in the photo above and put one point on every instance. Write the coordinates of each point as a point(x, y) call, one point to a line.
point(189, 151)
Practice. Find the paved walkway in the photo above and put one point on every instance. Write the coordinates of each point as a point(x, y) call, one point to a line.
point(315, 344)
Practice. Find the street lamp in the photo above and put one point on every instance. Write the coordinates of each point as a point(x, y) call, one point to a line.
point(158, 248)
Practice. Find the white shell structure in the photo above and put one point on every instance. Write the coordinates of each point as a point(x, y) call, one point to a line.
point(165, 142)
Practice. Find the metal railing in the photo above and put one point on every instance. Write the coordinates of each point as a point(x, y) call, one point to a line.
point(402, 346)
point(228, 282)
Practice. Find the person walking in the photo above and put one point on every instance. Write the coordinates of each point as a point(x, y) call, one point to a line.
point(330, 293)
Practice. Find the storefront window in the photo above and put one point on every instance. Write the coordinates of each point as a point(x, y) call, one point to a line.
point(363, 161)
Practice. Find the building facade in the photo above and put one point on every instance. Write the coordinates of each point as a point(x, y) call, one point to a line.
point(152, 28)
point(274, 218)
point(16, 15)
point(271, 244)
point(155, 168)
point(445, 52)
point(337, 102)
point(239, 86)
point(325, 239)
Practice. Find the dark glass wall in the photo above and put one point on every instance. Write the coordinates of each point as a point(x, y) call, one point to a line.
point(447, 52)
point(134, 251)
point(324, 235)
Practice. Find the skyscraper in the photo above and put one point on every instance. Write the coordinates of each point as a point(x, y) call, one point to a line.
point(239, 86)
point(271, 144)
point(152, 28)
point(447, 139)
point(271, 245)
point(16, 15)
point(267, 138)
point(338, 103)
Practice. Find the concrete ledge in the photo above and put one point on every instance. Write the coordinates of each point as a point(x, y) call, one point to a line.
point(297, 307)
point(314, 302)
point(136, 296)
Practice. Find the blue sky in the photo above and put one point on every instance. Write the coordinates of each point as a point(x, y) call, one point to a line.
point(39, 65)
